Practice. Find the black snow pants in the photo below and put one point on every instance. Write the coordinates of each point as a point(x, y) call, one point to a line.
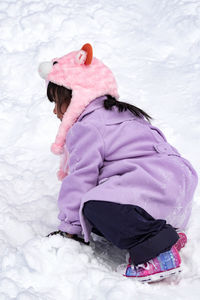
point(130, 227)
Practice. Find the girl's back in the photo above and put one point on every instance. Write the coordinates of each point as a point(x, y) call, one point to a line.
point(136, 163)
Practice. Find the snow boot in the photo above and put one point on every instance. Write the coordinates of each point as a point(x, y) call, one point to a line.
point(164, 265)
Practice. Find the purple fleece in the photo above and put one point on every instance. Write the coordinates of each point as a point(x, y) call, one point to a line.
point(117, 157)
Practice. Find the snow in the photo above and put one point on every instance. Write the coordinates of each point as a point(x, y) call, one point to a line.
point(153, 48)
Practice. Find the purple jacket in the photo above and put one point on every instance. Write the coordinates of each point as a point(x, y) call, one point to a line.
point(115, 156)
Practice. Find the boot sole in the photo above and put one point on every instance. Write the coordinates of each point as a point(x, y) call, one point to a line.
point(157, 276)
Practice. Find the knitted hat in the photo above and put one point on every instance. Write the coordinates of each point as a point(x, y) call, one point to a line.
point(86, 76)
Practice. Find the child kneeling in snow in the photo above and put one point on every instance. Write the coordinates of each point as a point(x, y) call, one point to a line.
point(120, 177)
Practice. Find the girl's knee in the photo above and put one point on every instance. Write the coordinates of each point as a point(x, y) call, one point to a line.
point(87, 208)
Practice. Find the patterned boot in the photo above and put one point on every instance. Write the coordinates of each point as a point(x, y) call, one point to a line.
point(164, 265)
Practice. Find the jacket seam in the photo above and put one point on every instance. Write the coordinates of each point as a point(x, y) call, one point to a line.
point(100, 134)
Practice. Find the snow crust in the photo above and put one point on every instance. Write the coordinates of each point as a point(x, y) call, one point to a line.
point(153, 48)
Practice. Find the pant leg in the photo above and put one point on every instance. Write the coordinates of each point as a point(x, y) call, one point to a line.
point(131, 227)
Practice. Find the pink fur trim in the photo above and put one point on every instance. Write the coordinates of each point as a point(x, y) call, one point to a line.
point(56, 149)
point(61, 175)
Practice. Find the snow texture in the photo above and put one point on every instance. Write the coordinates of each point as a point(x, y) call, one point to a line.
point(153, 48)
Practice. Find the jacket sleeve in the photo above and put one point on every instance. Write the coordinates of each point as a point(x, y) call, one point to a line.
point(86, 154)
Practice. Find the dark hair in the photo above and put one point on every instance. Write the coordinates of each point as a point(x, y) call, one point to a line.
point(123, 106)
point(64, 95)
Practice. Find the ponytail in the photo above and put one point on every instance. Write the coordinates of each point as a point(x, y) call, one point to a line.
point(123, 106)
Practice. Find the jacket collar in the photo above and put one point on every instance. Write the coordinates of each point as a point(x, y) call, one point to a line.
point(93, 105)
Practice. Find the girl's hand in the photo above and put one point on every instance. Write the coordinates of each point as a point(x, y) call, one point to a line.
point(68, 235)
point(64, 234)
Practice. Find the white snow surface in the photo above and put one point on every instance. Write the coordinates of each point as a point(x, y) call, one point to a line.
point(153, 48)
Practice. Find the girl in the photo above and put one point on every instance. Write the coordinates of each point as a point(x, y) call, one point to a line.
point(120, 177)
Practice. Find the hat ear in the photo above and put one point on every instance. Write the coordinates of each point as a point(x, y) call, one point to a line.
point(88, 49)
point(85, 55)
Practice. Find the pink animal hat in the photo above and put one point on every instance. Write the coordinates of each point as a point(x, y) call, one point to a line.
point(86, 76)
